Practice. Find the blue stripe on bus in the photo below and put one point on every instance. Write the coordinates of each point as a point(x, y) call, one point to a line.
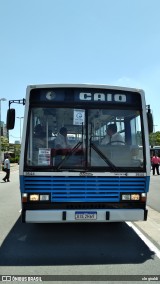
point(84, 189)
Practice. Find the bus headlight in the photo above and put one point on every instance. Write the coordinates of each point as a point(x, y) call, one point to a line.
point(126, 197)
point(135, 196)
point(44, 197)
point(34, 197)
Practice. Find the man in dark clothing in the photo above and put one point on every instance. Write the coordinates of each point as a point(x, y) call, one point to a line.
point(7, 168)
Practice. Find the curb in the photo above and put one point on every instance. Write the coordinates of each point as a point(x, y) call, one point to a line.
point(151, 227)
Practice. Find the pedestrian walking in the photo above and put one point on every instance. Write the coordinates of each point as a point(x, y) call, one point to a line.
point(7, 168)
point(155, 164)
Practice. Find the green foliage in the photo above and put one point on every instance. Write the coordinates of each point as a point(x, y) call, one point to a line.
point(17, 149)
point(14, 160)
point(4, 144)
point(13, 149)
point(154, 139)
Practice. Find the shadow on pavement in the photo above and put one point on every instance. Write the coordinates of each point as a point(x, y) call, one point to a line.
point(72, 244)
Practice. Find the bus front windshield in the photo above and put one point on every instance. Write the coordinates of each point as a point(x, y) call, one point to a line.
point(84, 139)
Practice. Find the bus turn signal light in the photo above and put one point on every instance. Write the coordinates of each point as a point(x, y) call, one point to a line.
point(24, 197)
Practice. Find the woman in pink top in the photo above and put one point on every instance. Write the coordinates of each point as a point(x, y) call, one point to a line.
point(155, 164)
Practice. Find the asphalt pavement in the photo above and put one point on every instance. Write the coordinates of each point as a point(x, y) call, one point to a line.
point(152, 226)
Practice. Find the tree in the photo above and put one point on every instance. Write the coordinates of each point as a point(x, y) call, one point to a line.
point(4, 144)
point(154, 139)
point(17, 149)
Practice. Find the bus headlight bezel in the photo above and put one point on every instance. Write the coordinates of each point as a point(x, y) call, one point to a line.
point(133, 197)
point(38, 197)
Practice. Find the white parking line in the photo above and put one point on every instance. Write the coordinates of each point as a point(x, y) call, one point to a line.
point(150, 245)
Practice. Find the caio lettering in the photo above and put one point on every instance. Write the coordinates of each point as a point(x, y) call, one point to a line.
point(102, 97)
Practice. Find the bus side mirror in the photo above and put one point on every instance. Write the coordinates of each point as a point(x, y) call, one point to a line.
point(10, 118)
point(150, 122)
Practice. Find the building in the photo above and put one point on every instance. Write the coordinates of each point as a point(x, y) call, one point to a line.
point(4, 131)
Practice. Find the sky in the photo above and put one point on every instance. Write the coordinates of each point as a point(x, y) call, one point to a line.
point(111, 42)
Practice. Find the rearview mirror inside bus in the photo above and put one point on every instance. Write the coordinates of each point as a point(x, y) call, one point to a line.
point(10, 118)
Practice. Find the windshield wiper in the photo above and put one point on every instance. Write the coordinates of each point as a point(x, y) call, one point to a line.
point(104, 158)
point(73, 150)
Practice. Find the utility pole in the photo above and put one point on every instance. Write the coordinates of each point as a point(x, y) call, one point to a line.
point(20, 117)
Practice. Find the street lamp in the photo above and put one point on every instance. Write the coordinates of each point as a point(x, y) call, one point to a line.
point(154, 131)
point(154, 127)
point(20, 117)
point(2, 99)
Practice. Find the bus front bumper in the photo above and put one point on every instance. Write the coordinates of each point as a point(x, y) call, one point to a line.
point(101, 215)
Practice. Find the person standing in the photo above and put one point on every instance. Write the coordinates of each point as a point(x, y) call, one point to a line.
point(7, 168)
point(155, 164)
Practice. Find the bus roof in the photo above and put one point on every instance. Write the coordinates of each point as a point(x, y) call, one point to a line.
point(85, 85)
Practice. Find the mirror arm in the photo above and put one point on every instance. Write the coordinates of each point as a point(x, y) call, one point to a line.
point(17, 102)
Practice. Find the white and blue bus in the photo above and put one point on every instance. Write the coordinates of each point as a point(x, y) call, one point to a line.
point(88, 180)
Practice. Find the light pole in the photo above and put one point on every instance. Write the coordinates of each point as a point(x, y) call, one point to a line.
point(154, 128)
point(2, 99)
point(20, 117)
point(154, 131)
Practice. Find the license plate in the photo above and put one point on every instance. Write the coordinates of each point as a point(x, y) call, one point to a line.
point(85, 215)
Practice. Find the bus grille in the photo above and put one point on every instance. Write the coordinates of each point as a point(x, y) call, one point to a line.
point(84, 189)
